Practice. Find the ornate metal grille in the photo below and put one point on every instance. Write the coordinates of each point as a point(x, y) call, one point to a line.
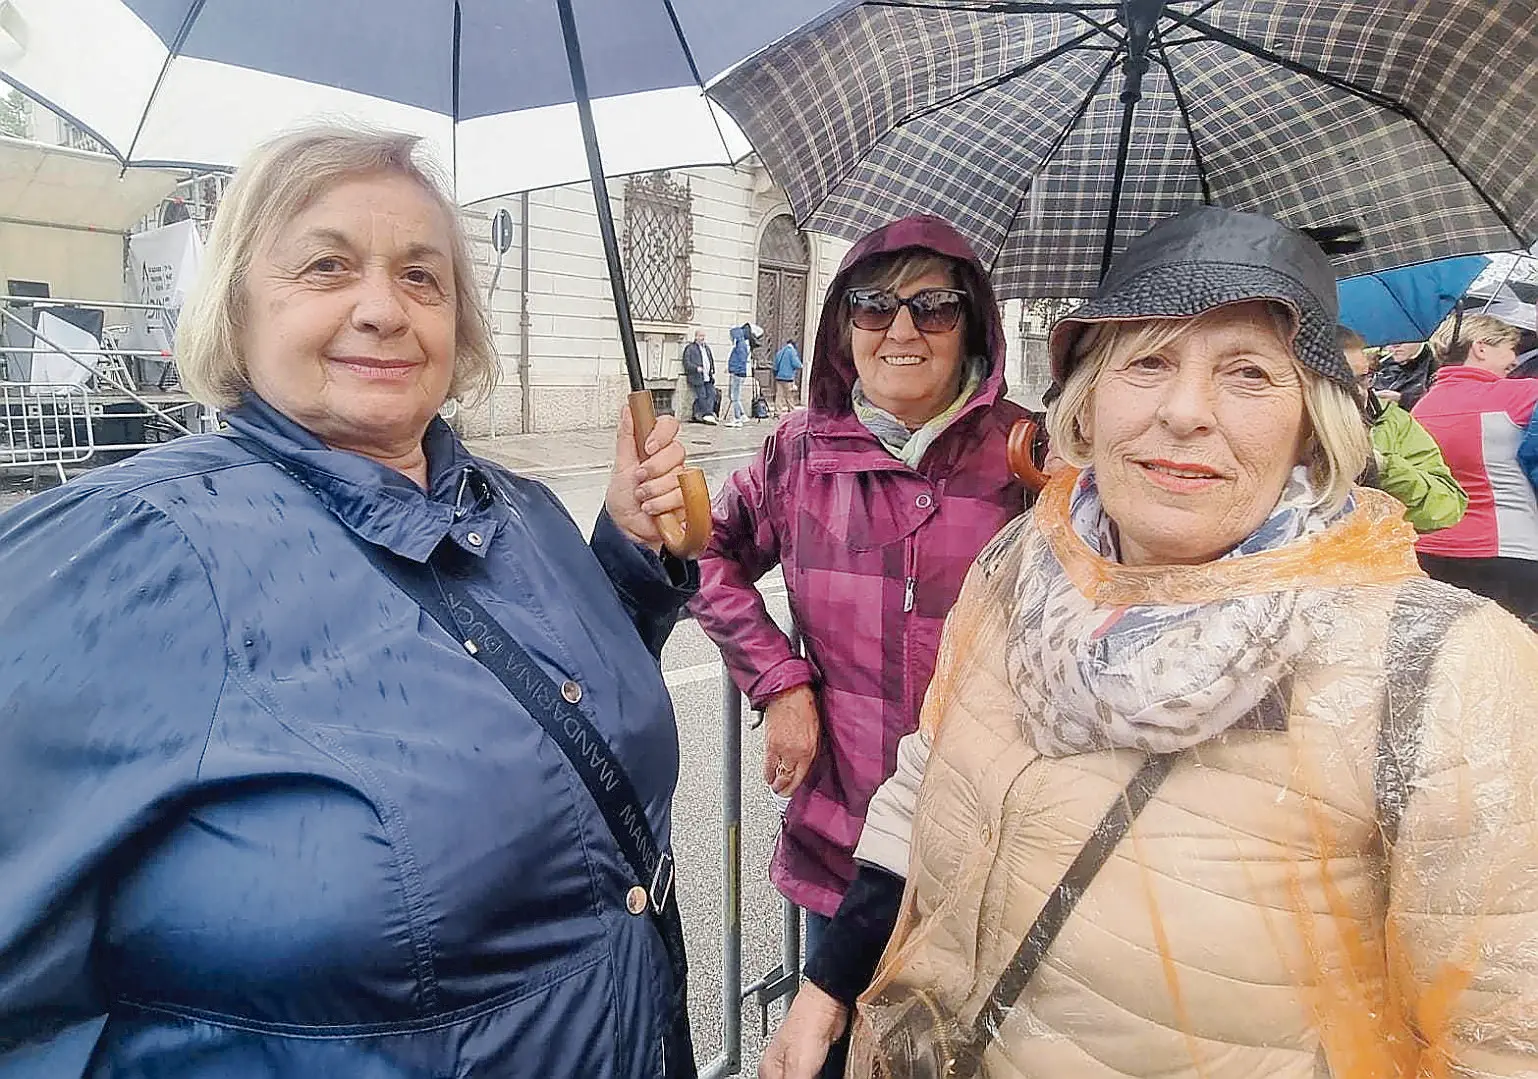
point(658, 240)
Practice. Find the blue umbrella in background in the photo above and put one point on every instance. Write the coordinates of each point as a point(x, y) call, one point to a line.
point(1407, 304)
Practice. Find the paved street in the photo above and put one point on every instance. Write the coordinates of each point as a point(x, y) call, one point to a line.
point(575, 465)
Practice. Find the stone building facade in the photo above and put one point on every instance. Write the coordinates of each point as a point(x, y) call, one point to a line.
point(705, 248)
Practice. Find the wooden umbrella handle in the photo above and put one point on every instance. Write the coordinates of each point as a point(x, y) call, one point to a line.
point(1018, 453)
point(685, 532)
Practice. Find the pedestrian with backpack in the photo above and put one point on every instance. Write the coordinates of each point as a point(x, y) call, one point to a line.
point(744, 339)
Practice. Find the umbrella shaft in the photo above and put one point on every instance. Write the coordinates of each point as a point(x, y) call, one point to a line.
point(1141, 17)
point(601, 198)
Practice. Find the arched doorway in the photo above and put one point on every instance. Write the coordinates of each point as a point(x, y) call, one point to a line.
point(784, 259)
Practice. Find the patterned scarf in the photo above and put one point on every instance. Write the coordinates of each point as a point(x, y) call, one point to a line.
point(908, 446)
point(1157, 678)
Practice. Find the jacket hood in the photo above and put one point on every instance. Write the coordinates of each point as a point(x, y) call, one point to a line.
point(833, 371)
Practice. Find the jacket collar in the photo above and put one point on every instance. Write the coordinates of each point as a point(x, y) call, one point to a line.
point(373, 501)
point(1464, 373)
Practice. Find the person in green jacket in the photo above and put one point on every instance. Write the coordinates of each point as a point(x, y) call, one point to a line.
point(1409, 464)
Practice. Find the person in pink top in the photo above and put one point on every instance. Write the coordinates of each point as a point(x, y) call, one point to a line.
point(1480, 418)
point(874, 500)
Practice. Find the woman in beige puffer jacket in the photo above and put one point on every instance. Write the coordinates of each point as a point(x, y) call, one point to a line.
point(1251, 923)
point(1338, 877)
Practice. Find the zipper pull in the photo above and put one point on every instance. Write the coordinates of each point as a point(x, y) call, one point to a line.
point(459, 493)
point(912, 582)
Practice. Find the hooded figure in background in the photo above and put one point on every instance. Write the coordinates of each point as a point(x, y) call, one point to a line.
point(745, 339)
point(874, 500)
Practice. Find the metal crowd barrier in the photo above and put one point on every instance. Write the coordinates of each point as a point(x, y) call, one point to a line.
point(781, 982)
point(39, 430)
point(111, 394)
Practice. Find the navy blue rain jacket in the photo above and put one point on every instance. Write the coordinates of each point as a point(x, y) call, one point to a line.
point(261, 816)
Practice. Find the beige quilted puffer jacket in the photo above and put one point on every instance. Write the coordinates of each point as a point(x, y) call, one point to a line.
point(1251, 924)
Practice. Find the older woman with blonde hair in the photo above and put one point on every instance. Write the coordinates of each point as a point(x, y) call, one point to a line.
point(327, 748)
point(1211, 781)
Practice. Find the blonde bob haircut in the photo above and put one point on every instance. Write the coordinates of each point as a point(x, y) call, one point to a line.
point(1337, 446)
point(1470, 330)
point(274, 185)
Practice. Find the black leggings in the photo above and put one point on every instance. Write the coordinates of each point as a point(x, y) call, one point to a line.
point(1511, 582)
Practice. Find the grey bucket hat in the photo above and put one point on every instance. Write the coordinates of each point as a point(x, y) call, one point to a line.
point(1207, 257)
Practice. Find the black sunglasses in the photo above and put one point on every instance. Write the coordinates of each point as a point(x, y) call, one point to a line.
point(933, 310)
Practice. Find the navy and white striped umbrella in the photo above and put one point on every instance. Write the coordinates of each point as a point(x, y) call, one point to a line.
point(1053, 131)
point(485, 82)
point(510, 95)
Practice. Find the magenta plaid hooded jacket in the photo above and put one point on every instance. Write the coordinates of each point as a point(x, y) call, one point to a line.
point(873, 553)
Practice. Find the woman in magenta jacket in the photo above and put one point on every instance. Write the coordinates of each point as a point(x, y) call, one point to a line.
point(874, 499)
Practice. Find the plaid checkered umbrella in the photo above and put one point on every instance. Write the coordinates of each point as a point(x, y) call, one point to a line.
point(1051, 133)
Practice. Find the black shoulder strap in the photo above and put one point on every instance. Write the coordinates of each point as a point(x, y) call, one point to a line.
point(1419, 622)
point(462, 617)
point(450, 605)
point(1416, 629)
point(1092, 857)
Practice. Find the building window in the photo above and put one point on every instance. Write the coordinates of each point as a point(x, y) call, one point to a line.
point(659, 238)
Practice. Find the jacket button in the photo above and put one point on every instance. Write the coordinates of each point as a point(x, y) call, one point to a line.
point(923, 502)
point(635, 900)
point(475, 539)
point(571, 691)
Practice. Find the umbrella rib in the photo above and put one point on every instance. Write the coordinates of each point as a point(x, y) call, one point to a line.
point(998, 80)
point(172, 51)
point(1179, 20)
point(1372, 97)
point(1005, 7)
point(454, 103)
point(1057, 144)
point(694, 70)
point(1104, 28)
point(1185, 117)
point(1410, 318)
point(27, 91)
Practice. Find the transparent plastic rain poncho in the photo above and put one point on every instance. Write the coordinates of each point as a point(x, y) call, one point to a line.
point(1256, 920)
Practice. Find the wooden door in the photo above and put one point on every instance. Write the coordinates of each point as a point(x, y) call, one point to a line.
point(783, 264)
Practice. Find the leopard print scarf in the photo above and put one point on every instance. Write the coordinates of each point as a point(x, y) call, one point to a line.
point(1153, 678)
